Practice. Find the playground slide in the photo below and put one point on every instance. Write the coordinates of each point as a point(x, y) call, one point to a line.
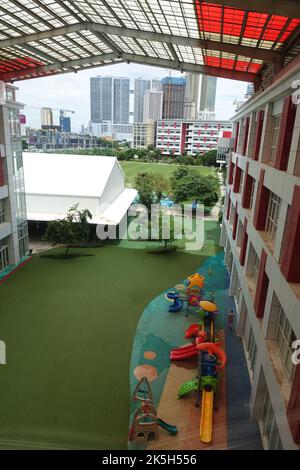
point(178, 304)
point(168, 427)
point(186, 352)
point(187, 387)
point(192, 330)
point(206, 416)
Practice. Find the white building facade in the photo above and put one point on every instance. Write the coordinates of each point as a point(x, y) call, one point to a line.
point(13, 220)
point(153, 103)
point(261, 239)
point(176, 137)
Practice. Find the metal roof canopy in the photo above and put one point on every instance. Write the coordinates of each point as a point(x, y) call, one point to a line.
point(221, 38)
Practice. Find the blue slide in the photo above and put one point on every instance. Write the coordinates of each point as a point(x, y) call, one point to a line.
point(177, 305)
point(168, 427)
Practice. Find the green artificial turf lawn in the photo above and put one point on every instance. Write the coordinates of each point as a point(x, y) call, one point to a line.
point(131, 169)
point(68, 326)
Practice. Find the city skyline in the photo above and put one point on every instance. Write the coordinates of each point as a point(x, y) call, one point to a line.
point(62, 91)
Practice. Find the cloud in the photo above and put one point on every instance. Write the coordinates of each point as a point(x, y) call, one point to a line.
point(72, 91)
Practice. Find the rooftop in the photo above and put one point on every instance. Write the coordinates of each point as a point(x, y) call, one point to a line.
point(224, 38)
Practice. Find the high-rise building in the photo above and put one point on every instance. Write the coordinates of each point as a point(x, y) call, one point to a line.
point(153, 103)
point(261, 238)
point(156, 84)
point(191, 96)
point(46, 117)
point(208, 93)
point(109, 99)
point(143, 134)
point(101, 95)
point(140, 86)
point(121, 91)
point(13, 222)
point(65, 123)
point(173, 97)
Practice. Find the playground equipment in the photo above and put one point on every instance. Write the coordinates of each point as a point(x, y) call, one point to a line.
point(145, 423)
point(211, 358)
point(192, 293)
point(188, 351)
point(177, 304)
point(194, 289)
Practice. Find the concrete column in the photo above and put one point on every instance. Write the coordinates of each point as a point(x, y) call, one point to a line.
point(258, 134)
point(294, 157)
point(223, 235)
point(233, 281)
point(251, 138)
point(266, 138)
point(242, 314)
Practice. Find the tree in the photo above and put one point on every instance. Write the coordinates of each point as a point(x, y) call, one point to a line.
point(204, 189)
point(168, 242)
point(74, 228)
point(180, 173)
point(210, 158)
point(166, 238)
point(144, 186)
point(161, 185)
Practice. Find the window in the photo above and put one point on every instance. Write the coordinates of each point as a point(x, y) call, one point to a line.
point(2, 212)
point(253, 263)
point(284, 337)
point(270, 431)
point(10, 95)
point(272, 216)
point(23, 238)
point(252, 193)
point(275, 135)
point(4, 259)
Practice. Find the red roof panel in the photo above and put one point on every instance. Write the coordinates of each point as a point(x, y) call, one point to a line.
point(238, 23)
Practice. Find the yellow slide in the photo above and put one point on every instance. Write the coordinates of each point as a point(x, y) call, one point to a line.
point(206, 416)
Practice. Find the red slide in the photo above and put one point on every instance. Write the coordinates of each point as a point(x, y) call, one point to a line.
point(186, 352)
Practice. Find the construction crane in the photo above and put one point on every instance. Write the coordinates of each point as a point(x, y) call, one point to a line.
point(62, 112)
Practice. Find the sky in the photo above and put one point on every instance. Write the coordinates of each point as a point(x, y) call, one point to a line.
point(72, 91)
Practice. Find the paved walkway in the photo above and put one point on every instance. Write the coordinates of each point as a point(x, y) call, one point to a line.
point(242, 433)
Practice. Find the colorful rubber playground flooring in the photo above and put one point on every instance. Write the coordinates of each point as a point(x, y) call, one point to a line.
point(157, 333)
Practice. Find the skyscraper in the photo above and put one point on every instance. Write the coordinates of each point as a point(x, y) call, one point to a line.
point(109, 99)
point(46, 117)
point(153, 102)
point(208, 93)
point(156, 84)
point(140, 86)
point(191, 96)
point(173, 97)
point(121, 91)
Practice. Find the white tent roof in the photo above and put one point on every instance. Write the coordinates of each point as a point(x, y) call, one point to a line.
point(78, 176)
point(112, 215)
point(70, 175)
